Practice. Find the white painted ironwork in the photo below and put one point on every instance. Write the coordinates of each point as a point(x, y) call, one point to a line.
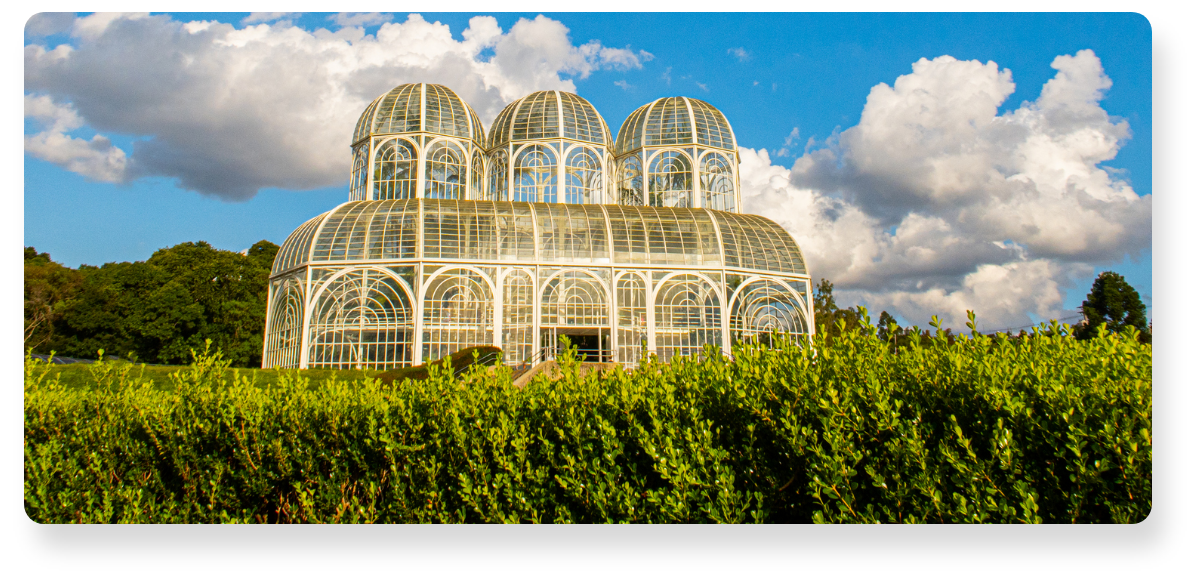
point(452, 238)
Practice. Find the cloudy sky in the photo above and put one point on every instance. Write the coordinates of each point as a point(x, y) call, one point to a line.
point(925, 163)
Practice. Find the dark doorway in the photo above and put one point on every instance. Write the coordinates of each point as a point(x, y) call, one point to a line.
point(587, 346)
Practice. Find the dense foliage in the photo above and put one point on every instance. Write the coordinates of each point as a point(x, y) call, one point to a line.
point(157, 310)
point(1044, 428)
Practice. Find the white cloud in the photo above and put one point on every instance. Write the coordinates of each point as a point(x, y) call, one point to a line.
point(350, 19)
point(936, 202)
point(48, 23)
point(740, 53)
point(257, 17)
point(96, 159)
point(788, 142)
point(623, 84)
point(227, 111)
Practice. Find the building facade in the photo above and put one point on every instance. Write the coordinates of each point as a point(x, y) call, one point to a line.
point(542, 228)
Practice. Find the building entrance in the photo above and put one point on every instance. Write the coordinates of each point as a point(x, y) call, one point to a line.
point(591, 344)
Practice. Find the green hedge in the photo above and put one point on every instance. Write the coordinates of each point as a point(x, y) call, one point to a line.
point(1044, 428)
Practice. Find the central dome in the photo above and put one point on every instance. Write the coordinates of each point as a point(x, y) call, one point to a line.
point(546, 115)
point(419, 107)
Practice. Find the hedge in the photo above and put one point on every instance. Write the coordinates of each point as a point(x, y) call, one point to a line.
point(1044, 428)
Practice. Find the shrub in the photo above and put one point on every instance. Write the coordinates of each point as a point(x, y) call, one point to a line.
point(1044, 428)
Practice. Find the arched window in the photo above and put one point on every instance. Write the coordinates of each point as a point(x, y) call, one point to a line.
point(445, 172)
point(687, 316)
point(575, 299)
point(283, 331)
point(358, 176)
point(477, 178)
point(584, 177)
point(395, 170)
point(535, 175)
point(716, 183)
point(458, 313)
point(670, 180)
point(764, 307)
point(363, 319)
point(497, 187)
point(630, 189)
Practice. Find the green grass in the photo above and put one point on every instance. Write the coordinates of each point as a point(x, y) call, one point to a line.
point(85, 376)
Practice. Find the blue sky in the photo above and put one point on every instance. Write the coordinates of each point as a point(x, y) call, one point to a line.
point(807, 76)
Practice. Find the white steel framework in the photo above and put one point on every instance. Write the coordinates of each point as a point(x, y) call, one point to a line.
point(447, 244)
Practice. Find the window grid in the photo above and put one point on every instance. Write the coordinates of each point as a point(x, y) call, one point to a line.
point(716, 183)
point(458, 305)
point(361, 320)
point(687, 316)
point(535, 175)
point(498, 177)
point(631, 317)
point(287, 318)
point(763, 307)
point(537, 117)
point(445, 172)
point(517, 334)
point(584, 178)
point(395, 170)
point(575, 299)
point(670, 180)
point(631, 181)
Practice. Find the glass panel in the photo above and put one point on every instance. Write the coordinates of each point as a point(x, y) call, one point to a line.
point(517, 339)
point(716, 183)
point(575, 299)
point(444, 112)
point(630, 191)
point(498, 177)
point(458, 313)
point(358, 174)
point(363, 319)
point(763, 307)
point(670, 180)
point(687, 316)
point(445, 172)
point(669, 123)
point(631, 318)
point(477, 192)
point(584, 177)
point(282, 346)
point(537, 117)
point(395, 170)
point(535, 175)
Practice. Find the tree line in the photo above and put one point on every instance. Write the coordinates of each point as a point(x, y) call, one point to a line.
point(1112, 302)
point(154, 311)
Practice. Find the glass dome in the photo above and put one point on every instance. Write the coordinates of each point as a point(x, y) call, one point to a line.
point(548, 115)
point(671, 121)
point(420, 107)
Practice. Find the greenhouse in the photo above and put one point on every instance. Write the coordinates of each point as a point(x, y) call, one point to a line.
point(543, 230)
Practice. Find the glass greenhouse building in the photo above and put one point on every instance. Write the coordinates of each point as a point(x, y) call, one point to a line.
point(543, 227)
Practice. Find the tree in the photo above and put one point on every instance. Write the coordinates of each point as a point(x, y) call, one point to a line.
point(1112, 302)
point(171, 303)
point(826, 312)
point(882, 329)
point(49, 288)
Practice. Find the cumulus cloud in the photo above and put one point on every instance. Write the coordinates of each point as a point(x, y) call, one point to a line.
point(936, 202)
point(227, 111)
point(97, 159)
